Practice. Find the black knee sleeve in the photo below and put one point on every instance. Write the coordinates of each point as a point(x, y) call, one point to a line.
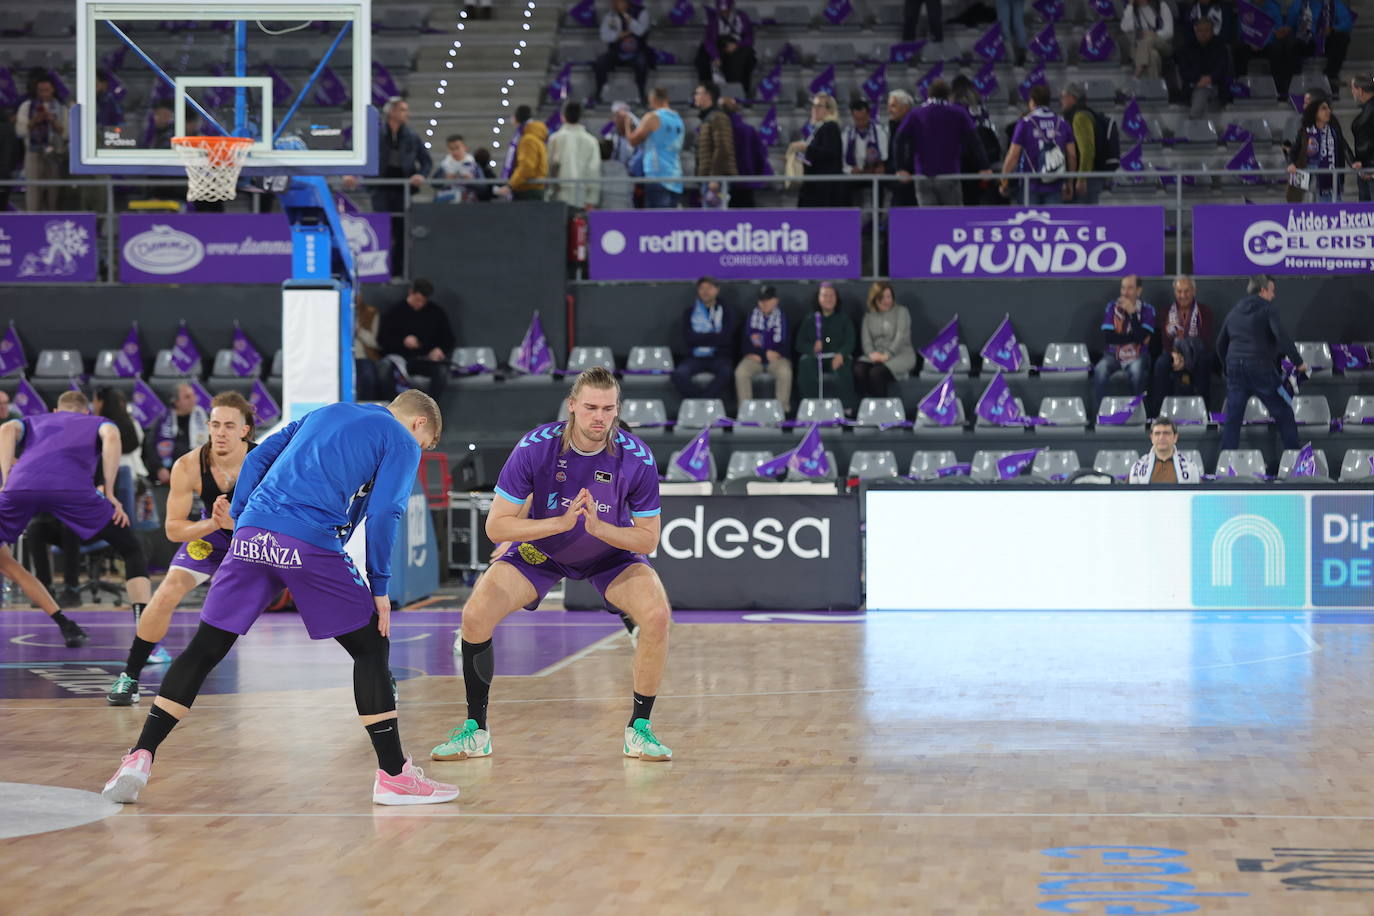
point(371, 653)
point(130, 549)
point(188, 672)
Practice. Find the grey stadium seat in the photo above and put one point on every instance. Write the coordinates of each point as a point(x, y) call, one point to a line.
point(1359, 415)
point(818, 410)
point(876, 413)
point(1116, 462)
point(873, 465)
point(1245, 462)
point(1189, 412)
point(1055, 463)
point(524, 377)
point(584, 358)
point(648, 364)
point(1356, 464)
point(1062, 416)
point(927, 465)
point(58, 364)
point(1114, 403)
point(1066, 358)
point(742, 464)
point(645, 416)
point(989, 368)
point(105, 374)
point(1316, 354)
point(765, 413)
point(465, 357)
point(1290, 458)
point(699, 413)
point(1312, 410)
point(984, 464)
point(224, 378)
point(1256, 412)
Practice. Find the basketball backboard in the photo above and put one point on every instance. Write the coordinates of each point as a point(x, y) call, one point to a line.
point(294, 75)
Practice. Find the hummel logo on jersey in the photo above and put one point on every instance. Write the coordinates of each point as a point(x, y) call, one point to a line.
point(603, 477)
point(263, 548)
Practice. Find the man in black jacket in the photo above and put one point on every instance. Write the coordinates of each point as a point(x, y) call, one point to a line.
point(417, 330)
point(1204, 68)
point(901, 147)
point(400, 154)
point(1362, 130)
point(1249, 346)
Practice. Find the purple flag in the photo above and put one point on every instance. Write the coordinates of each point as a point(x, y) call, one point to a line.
point(184, 352)
point(1015, 464)
point(383, 86)
point(941, 404)
point(264, 408)
point(1104, 8)
point(1121, 417)
point(875, 87)
point(1133, 122)
point(1234, 133)
point(534, 357)
point(954, 470)
point(11, 352)
point(1035, 78)
point(825, 83)
point(1305, 464)
point(145, 406)
point(583, 13)
point(1051, 10)
point(554, 121)
point(282, 91)
point(664, 57)
point(1255, 24)
point(1134, 161)
point(992, 45)
point(1349, 356)
point(203, 399)
point(943, 350)
point(1296, 102)
point(330, 91)
point(128, 361)
point(682, 12)
point(1002, 348)
point(808, 458)
point(695, 459)
point(788, 54)
point(768, 127)
point(997, 406)
point(905, 52)
point(985, 80)
point(770, 87)
point(27, 400)
point(561, 85)
point(1045, 46)
point(246, 359)
point(1097, 45)
point(1244, 161)
point(933, 74)
point(837, 11)
point(1239, 90)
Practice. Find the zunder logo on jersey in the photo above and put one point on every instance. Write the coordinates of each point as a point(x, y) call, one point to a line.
point(263, 549)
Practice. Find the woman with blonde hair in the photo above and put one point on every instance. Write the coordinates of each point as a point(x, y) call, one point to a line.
point(888, 355)
point(822, 154)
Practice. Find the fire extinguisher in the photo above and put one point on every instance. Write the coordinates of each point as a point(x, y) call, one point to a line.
point(577, 240)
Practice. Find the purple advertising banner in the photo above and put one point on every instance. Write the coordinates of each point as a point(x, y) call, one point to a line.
point(1026, 241)
point(731, 244)
point(1283, 239)
point(47, 248)
point(235, 247)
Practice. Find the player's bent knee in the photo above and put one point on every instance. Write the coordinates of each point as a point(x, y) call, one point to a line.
point(371, 652)
point(188, 673)
point(654, 622)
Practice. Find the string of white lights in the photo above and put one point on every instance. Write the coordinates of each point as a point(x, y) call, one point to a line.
point(509, 86)
point(442, 88)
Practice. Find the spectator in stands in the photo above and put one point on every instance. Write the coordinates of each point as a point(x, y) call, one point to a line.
point(887, 353)
point(1362, 130)
point(366, 352)
point(401, 154)
point(1127, 326)
point(751, 156)
point(977, 193)
point(7, 410)
point(11, 154)
point(944, 132)
point(1042, 145)
point(1222, 17)
point(1204, 69)
point(825, 346)
point(1319, 144)
point(1149, 28)
point(625, 32)
point(531, 158)
point(457, 166)
point(1249, 345)
point(623, 123)
point(617, 193)
point(935, 19)
point(901, 147)
point(1083, 121)
point(715, 145)
point(574, 153)
point(1280, 48)
point(1011, 15)
point(823, 154)
point(185, 427)
point(161, 127)
point(416, 330)
point(726, 54)
point(1184, 365)
point(765, 343)
point(660, 134)
point(108, 110)
point(486, 168)
point(1306, 19)
point(42, 125)
point(111, 404)
point(1164, 463)
point(865, 145)
point(708, 337)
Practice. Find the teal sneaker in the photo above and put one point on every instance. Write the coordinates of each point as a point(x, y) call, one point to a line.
point(641, 742)
point(124, 691)
point(159, 656)
point(464, 743)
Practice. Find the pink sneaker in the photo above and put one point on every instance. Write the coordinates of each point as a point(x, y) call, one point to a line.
point(132, 776)
point(412, 787)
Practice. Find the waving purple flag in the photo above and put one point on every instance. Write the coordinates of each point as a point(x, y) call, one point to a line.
point(1255, 24)
point(695, 459)
point(825, 83)
point(1134, 160)
point(768, 127)
point(534, 357)
point(905, 52)
point(27, 401)
point(943, 350)
point(941, 404)
point(203, 399)
point(583, 13)
point(1002, 349)
point(1244, 161)
point(991, 45)
point(145, 407)
point(1346, 357)
point(1035, 78)
point(1045, 45)
point(1104, 8)
point(1015, 464)
point(1133, 122)
point(1051, 10)
point(11, 352)
point(933, 74)
point(837, 11)
point(246, 359)
point(264, 408)
point(184, 352)
point(770, 87)
point(875, 87)
point(682, 12)
point(1098, 45)
point(1305, 464)
point(997, 406)
point(985, 80)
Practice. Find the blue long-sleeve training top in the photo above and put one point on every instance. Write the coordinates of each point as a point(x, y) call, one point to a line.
point(318, 477)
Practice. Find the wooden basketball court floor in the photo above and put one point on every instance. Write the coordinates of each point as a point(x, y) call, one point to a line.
point(915, 763)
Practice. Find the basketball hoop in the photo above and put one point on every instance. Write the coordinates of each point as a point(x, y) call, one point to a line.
point(212, 165)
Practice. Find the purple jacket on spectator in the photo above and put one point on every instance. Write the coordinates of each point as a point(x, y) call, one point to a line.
point(942, 133)
point(741, 26)
point(751, 153)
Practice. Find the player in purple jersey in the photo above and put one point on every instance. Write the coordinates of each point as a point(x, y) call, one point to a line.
point(56, 473)
point(593, 514)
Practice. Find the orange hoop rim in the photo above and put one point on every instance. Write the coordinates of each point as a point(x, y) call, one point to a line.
point(213, 142)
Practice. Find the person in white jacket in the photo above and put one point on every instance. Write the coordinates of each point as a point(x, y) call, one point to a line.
point(1164, 463)
point(575, 153)
point(1149, 27)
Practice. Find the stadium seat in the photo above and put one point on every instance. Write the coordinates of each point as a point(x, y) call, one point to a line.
point(989, 369)
point(1114, 403)
point(742, 465)
point(1262, 88)
point(463, 361)
point(983, 426)
point(927, 465)
point(105, 375)
point(1359, 415)
point(1305, 81)
point(164, 369)
point(1189, 412)
point(1356, 465)
point(1148, 89)
point(1116, 462)
point(517, 377)
point(1055, 464)
point(873, 465)
point(644, 416)
point(1316, 354)
point(1290, 458)
point(698, 413)
point(1312, 410)
point(274, 375)
point(224, 378)
point(832, 476)
point(57, 364)
point(984, 464)
point(676, 474)
point(1201, 132)
point(924, 425)
point(1193, 455)
point(1256, 413)
point(818, 410)
point(648, 365)
point(584, 358)
point(1065, 358)
point(1062, 416)
point(879, 414)
point(962, 367)
point(1240, 462)
point(764, 415)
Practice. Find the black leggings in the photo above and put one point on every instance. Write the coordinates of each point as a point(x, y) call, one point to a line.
point(873, 380)
point(129, 548)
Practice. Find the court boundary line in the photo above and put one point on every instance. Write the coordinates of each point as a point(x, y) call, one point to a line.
point(753, 815)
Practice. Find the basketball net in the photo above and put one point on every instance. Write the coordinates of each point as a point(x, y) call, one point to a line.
point(212, 165)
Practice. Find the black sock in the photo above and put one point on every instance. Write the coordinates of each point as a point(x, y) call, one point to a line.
point(156, 728)
point(478, 668)
point(62, 620)
point(138, 612)
point(386, 741)
point(642, 708)
point(628, 621)
point(138, 657)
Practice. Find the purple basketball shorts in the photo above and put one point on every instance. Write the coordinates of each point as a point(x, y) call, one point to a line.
point(84, 511)
point(544, 572)
point(202, 556)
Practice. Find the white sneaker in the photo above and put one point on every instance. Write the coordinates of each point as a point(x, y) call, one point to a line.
point(641, 742)
point(130, 778)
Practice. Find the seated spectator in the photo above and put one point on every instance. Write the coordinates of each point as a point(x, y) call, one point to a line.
point(366, 352)
point(625, 32)
point(977, 193)
point(574, 153)
point(726, 54)
point(1319, 144)
point(1127, 326)
point(715, 152)
point(822, 154)
point(1280, 48)
point(1149, 29)
point(944, 132)
point(531, 165)
point(1221, 15)
point(186, 426)
point(888, 355)
point(708, 337)
point(660, 134)
point(765, 343)
point(1306, 20)
point(617, 193)
point(825, 351)
point(1204, 70)
point(1042, 146)
point(42, 125)
point(1184, 365)
point(416, 330)
point(1164, 463)
point(454, 168)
